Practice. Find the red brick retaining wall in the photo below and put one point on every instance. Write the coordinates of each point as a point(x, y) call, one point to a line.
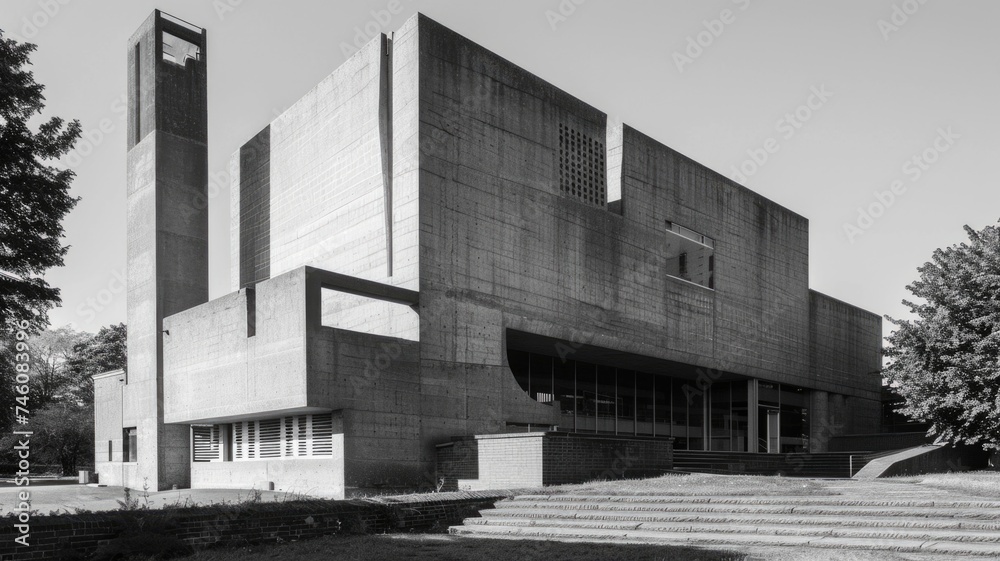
point(52, 536)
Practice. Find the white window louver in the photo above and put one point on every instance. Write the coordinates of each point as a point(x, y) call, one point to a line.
point(287, 437)
point(207, 443)
point(269, 438)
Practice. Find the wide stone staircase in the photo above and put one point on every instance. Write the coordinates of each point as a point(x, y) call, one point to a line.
point(867, 516)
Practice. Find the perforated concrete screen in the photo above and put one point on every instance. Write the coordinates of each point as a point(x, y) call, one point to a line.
point(581, 166)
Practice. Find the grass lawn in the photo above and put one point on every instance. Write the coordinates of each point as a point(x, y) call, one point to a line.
point(447, 548)
point(696, 484)
point(978, 483)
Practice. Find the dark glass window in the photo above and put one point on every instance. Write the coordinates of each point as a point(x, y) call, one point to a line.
point(679, 421)
point(130, 440)
point(740, 416)
point(662, 404)
point(586, 388)
point(518, 361)
point(626, 401)
point(540, 386)
point(720, 417)
point(607, 385)
point(696, 417)
point(644, 403)
point(794, 419)
point(564, 388)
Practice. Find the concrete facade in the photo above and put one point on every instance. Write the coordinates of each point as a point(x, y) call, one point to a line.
point(426, 210)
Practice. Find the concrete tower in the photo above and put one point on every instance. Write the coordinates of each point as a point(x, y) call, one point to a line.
point(167, 233)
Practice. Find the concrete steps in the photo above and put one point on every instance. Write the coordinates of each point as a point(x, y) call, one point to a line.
point(914, 524)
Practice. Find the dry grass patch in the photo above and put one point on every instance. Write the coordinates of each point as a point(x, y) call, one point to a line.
point(696, 484)
point(976, 483)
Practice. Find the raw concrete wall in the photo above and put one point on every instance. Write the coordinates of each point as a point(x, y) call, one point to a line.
point(167, 249)
point(214, 370)
point(755, 321)
point(322, 477)
point(108, 427)
point(845, 351)
point(334, 202)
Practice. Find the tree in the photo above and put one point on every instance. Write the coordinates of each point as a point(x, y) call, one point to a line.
point(946, 362)
point(35, 195)
point(103, 352)
point(51, 377)
point(62, 433)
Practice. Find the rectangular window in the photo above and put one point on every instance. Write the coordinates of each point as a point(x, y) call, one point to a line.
point(130, 443)
point(269, 437)
point(207, 443)
point(690, 256)
point(111, 450)
point(286, 437)
point(137, 94)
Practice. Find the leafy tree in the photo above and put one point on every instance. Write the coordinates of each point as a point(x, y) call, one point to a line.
point(35, 195)
point(946, 362)
point(51, 378)
point(63, 434)
point(101, 353)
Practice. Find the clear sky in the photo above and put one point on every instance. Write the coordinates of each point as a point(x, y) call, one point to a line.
point(817, 105)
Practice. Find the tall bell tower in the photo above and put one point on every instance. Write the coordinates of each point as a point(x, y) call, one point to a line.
point(167, 179)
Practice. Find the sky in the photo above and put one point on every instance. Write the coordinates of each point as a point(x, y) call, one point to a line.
point(874, 119)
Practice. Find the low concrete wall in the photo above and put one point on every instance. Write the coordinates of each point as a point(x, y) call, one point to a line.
point(55, 537)
point(322, 477)
point(521, 460)
point(944, 459)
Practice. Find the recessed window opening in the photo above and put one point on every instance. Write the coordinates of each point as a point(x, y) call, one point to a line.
point(690, 255)
point(130, 442)
point(179, 51)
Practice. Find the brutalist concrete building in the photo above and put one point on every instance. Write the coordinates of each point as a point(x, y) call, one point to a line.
point(434, 246)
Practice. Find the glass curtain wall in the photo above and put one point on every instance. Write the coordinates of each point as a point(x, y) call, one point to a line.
point(607, 400)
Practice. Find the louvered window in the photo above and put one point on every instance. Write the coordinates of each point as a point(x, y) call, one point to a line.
point(207, 443)
point(288, 437)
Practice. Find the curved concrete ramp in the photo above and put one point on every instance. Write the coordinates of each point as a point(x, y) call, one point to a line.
point(879, 466)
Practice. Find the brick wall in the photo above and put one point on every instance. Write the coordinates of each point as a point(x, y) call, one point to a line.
point(200, 527)
point(571, 459)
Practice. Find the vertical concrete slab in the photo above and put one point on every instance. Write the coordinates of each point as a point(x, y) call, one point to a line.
point(167, 232)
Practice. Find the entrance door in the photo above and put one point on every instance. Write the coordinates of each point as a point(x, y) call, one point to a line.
point(773, 444)
point(767, 430)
